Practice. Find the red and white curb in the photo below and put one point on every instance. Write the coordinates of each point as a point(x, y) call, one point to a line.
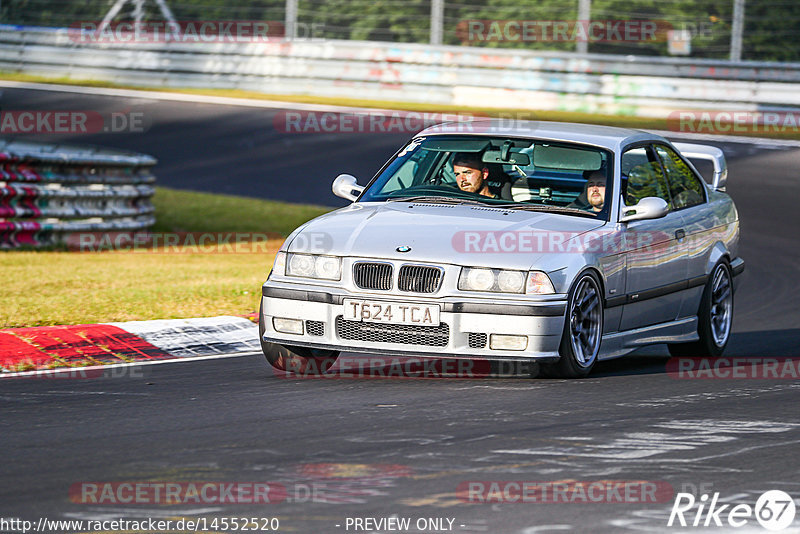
point(48, 348)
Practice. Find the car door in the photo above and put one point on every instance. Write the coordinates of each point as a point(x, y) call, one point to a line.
point(655, 255)
point(689, 198)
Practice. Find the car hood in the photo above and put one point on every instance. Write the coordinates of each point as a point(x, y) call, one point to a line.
point(440, 233)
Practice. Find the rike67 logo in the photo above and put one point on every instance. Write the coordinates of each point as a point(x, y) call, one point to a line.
point(774, 510)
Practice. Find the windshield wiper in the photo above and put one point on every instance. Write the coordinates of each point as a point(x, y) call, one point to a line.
point(547, 208)
point(500, 206)
point(437, 200)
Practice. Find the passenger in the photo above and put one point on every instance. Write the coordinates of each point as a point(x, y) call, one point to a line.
point(596, 190)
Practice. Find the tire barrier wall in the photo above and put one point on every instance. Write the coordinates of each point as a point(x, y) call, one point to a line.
point(454, 75)
point(49, 192)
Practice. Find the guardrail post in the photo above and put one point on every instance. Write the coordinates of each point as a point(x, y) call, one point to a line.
point(737, 30)
point(584, 15)
point(437, 21)
point(290, 20)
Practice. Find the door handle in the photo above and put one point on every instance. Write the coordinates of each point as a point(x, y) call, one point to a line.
point(680, 234)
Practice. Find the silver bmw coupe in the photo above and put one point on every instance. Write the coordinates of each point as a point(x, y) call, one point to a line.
point(554, 243)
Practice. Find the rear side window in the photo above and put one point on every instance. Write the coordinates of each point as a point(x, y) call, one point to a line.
point(684, 185)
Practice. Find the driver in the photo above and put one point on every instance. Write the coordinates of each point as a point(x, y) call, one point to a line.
point(472, 174)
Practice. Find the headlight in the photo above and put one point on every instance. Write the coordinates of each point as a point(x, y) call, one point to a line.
point(502, 281)
point(327, 267)
point(510, 281)
point(479, 280)
point(312, 266)
point(301, 265)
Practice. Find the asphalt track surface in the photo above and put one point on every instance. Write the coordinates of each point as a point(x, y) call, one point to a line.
point(401, 447)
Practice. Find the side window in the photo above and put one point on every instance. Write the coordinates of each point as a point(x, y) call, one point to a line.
point(410, 171)
point(642, 176)
point(684, 185)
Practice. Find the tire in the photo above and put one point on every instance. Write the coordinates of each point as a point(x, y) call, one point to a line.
point(715, 316)
point(583, 330)
point(295, 360)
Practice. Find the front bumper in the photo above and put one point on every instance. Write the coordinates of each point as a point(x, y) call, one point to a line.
point(464, 323)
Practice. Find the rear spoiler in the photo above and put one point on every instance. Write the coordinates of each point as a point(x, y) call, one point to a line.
point(708, 153)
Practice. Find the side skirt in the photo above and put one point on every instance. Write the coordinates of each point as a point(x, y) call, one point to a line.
point(621, 343)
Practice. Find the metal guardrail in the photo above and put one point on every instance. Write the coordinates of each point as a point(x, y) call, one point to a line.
point(646, 86)
point(49, 192)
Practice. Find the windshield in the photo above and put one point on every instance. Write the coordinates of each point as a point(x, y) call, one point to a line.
point(509, 172)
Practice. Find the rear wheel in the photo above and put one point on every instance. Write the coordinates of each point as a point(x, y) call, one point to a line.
point(297, 360)
point(583, 330)
point(715, 317)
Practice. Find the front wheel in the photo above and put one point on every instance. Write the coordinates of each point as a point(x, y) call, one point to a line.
point(583, 330)
point(296, 360)
point(715, 317)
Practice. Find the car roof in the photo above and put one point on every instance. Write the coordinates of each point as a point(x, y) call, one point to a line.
point(609, 137)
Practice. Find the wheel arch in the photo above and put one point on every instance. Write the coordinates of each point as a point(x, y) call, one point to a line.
point(601, 280)
point(598, 273)
point(718, 252)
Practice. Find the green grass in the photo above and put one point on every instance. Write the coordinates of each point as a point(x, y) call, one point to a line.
point(622, 120)
point(188, 211)
point(49, 288)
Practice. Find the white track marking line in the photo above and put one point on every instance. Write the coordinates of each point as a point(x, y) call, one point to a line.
point(186, 97)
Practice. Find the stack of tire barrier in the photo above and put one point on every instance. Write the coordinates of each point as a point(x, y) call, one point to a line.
point(49, 192)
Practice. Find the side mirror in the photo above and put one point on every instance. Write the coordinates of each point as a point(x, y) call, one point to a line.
point(647, 208)
point(344, 185)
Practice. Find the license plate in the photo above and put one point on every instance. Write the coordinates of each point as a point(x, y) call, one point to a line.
point(371, 311)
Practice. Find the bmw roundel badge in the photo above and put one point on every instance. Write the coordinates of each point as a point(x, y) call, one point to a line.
point(403, 248)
